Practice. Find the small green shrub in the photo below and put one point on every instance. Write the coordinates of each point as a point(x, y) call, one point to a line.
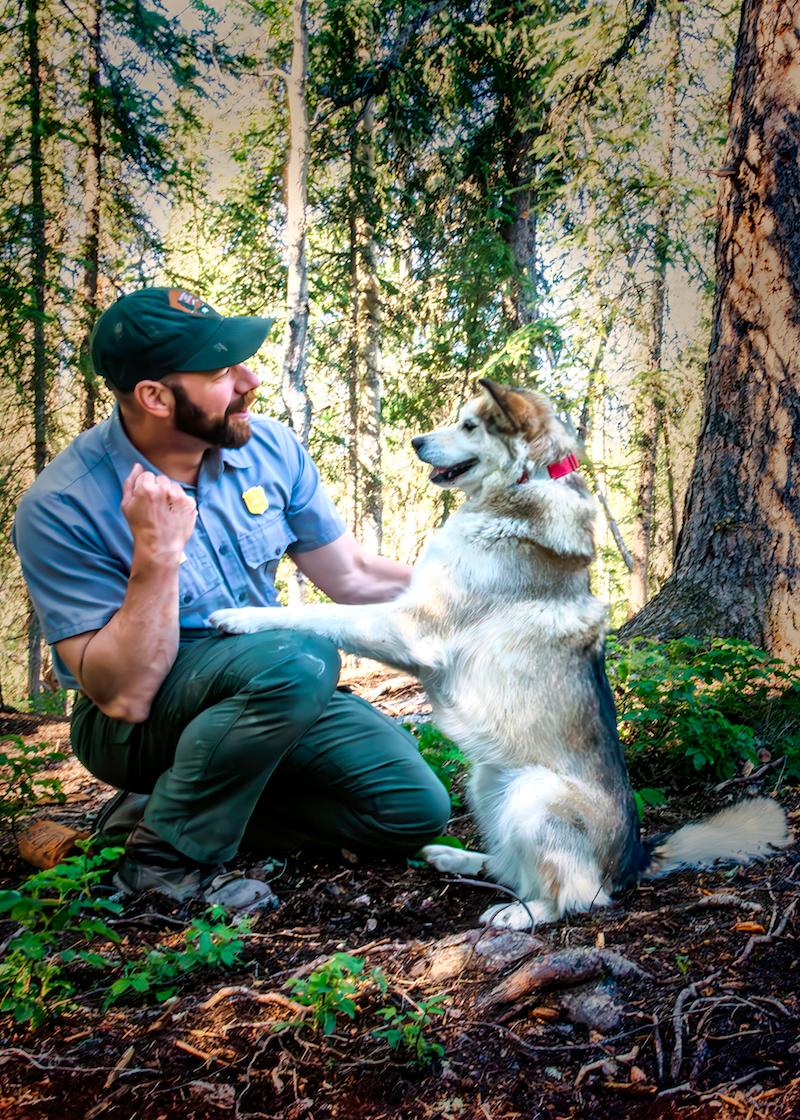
point(442, 755)
point(210, 942)
point(22, 786)
point(710, 705)
point(63, 929)
point(407, 1028)
point(648, 796)
point(330, 991)
point(60, 922)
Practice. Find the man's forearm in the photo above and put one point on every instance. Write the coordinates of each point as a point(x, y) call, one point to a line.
point(379, 581)
point(125, 663)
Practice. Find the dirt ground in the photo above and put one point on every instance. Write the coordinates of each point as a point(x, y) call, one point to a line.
point(705, 1025)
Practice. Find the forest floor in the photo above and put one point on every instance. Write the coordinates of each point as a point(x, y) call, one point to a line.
point(706, 1025)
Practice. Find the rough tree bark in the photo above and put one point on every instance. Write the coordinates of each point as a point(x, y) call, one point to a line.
point(652, 412)
point(93, 171)
point(38, 294)
point(736, 568)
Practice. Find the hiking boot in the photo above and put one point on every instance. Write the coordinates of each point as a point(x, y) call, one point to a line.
point(150, 864)
point(120, 814)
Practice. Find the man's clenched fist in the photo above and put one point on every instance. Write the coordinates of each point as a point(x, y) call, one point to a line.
point(160, 514)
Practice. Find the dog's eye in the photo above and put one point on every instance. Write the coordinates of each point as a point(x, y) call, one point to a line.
point(469, 425)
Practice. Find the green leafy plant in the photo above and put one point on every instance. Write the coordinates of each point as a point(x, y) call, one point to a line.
point(711, 705)
point(407, 1029)
point(330, 991)
point(210, 942)
point(60, 922)
point(648, 796)
point(442, 755)
point(22, 785)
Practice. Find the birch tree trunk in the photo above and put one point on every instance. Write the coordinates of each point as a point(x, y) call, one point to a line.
point(652, 413)
point(736, 568)
point(294, 361)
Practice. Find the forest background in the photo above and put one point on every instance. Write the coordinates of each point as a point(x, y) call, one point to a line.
point(420, 193)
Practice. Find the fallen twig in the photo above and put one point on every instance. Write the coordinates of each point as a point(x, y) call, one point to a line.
point(257, 997)
point(743, 779)
point(766, 938)
point(677, 1020)
point(564, 967)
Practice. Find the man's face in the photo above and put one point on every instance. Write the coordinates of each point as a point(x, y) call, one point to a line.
point(213, 406)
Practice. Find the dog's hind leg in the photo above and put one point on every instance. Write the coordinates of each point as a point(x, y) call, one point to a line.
point(541, 850)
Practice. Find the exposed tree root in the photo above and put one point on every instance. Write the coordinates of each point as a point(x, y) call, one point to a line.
point(564, 967)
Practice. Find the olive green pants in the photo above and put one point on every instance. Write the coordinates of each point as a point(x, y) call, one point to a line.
point(248, 742)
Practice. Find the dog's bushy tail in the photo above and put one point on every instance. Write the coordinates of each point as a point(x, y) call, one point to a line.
point(744, 832)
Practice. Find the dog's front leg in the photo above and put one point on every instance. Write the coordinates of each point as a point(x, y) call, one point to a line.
point(381, 631)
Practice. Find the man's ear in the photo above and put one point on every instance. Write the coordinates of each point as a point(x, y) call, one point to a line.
point(153, 397)
point(514, 406)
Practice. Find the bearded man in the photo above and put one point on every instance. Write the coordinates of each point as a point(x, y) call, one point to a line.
point(180, 504)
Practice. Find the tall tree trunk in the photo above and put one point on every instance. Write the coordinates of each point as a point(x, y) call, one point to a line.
point(365, 345)
point(295, 394)
point(294, 362)
point(736, 568)
point(38, 292)
point(652, 413)
point(521, 303)
point(93, 173)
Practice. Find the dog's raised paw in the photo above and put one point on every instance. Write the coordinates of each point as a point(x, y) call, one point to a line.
point(239, 620)
point(515, 915)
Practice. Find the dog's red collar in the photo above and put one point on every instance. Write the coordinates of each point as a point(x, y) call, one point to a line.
point(564, 466)
point(556, 470)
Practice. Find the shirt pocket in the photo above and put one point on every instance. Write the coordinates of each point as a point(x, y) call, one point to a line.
point(197, 576)
point(262, 547)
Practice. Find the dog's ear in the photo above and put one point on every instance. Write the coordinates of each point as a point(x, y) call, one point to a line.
point(514, 406)
point(519, 408)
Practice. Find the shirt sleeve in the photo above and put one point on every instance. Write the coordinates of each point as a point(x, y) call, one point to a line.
point(311, 514)
point(74, 583)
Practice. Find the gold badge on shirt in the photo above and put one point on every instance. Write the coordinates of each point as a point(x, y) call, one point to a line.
point(255, 499)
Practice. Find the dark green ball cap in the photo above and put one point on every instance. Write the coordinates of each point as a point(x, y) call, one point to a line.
point(156, 331)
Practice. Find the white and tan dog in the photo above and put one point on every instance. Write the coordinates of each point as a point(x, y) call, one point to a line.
point(501, 628)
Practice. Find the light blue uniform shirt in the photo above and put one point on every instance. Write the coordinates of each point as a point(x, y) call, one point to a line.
point(76, 546)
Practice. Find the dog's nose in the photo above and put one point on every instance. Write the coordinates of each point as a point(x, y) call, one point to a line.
point(417, 442)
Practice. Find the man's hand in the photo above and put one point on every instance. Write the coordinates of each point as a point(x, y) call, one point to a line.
point(161, 515)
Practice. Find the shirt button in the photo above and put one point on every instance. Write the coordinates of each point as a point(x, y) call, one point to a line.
point(242, 596)
point(277, 552)
point(223, 550)
point(187, 598)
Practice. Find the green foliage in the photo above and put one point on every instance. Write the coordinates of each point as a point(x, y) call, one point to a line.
point(63, 930)
point(48, 702)
point(21, 785)
point(406, 1029)
point(209, 942)
point(56, 912)
point(711, 705)
point(442, 755)
point(331, 990)
point(648, 796)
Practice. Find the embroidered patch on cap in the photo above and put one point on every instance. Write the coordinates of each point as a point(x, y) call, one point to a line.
point(185, 301)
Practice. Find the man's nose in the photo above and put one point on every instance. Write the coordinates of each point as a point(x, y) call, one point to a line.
point(417, 442)
point(246, 379)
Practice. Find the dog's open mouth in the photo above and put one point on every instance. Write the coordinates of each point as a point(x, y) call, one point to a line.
point(447, 474)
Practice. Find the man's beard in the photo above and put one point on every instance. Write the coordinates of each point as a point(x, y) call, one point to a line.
point(192, 421)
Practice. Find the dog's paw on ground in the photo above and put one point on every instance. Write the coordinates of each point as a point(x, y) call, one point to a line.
point(455, 860)
point(517, 915)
